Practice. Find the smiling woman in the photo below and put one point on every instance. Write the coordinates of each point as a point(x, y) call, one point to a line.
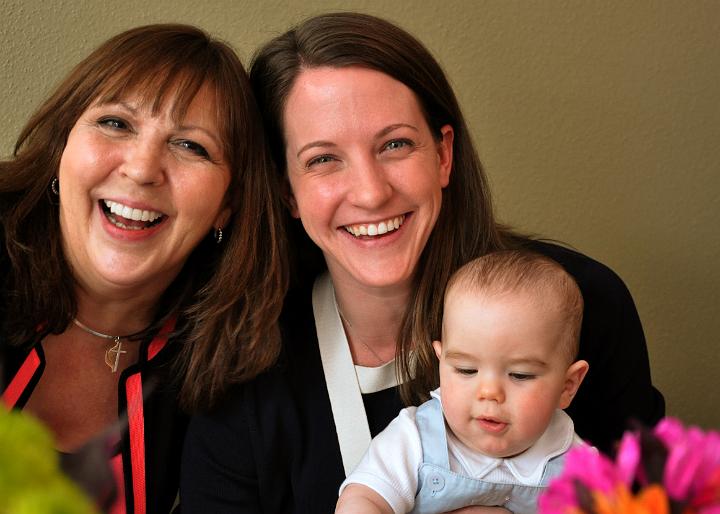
point(123, 163)
point(134, 198)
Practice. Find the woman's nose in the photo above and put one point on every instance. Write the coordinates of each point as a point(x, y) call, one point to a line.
point(145, 163)
point(369, 185)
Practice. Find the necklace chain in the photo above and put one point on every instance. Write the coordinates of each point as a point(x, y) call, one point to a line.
point(96, 333)
point(112, 354)
point(369, 348)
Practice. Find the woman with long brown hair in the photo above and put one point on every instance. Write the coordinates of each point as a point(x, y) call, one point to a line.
point(142, 252)
point(389, 199)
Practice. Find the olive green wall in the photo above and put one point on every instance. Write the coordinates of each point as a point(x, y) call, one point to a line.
point(598, 123)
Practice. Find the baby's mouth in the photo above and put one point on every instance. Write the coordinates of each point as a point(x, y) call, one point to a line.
point(128, 218)
point(376, 229)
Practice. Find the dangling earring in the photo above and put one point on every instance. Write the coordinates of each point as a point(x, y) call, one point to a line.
point(54, 186)
point(218, 235)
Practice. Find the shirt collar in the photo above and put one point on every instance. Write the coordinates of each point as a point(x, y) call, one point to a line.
point(528, 466)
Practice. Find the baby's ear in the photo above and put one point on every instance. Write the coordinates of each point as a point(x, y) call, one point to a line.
point(437, 345)
point(573, 378)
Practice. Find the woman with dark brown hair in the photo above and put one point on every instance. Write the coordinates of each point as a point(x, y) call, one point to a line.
point(142, 252)
point(390, 199)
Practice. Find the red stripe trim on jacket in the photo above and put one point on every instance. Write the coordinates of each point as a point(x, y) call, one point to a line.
point(21, 379)
point(158, 342)
point(136, 422)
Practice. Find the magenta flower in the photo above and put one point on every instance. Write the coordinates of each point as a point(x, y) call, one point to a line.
point(584, 465)
point(671, 469)
point(693, 463)
point(628, 457)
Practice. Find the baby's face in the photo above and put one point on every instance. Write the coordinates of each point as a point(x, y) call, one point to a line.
point(503, 369)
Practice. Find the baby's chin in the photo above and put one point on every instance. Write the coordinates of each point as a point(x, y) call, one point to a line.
point(497, 449)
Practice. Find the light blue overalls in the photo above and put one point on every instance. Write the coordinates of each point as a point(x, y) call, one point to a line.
point(442, 490)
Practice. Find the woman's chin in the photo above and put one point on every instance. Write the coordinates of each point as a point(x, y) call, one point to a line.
point(381, 277)
point(128, 272)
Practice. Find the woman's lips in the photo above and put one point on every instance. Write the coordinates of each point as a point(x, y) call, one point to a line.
point(127, 229)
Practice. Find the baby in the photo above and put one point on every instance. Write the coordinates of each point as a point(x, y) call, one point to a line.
point(494, 433)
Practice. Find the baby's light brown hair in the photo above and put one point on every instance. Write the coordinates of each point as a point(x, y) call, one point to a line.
point(513, 271)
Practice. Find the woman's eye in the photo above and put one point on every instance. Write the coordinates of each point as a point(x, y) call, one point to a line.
point(522, 376)
point(113, 123)
point(193, 147)
point(397, 144)
point(320, 159)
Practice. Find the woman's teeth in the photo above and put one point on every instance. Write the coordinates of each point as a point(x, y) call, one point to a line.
point(128, 218)
point(372, 229)
point(130, 213)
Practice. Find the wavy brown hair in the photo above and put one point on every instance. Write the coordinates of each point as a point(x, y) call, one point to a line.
point(228, 296)
point(466, 226)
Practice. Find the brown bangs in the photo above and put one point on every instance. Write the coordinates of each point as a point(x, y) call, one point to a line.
point(155, 84)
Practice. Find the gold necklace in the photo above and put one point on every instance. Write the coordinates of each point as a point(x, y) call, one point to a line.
point(112, 354)
point(349, 325)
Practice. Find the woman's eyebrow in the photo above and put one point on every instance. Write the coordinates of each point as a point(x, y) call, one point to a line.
point(116, 103)
point(315, 144)
point(208, 132)
point(395, 126)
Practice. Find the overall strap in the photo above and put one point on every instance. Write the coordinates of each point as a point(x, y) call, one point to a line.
point(433, 437)
point(346, 401)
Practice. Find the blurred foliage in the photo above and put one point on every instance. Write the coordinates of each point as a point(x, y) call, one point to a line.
point(31, 480)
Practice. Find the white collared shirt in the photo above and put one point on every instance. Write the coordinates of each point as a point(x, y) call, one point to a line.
point(391, 464)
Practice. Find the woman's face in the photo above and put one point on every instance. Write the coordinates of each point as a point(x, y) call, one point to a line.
point(365, 172)
point(139, 191)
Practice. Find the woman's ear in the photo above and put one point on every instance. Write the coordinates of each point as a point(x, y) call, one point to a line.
point(288, 199)
point(222, 218)
point(573, 378)
point(445, 153)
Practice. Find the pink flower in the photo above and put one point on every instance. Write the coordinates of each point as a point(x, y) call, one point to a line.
point(628, 457)
point(693, 462)
point(584, 465)
point(685, 460)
